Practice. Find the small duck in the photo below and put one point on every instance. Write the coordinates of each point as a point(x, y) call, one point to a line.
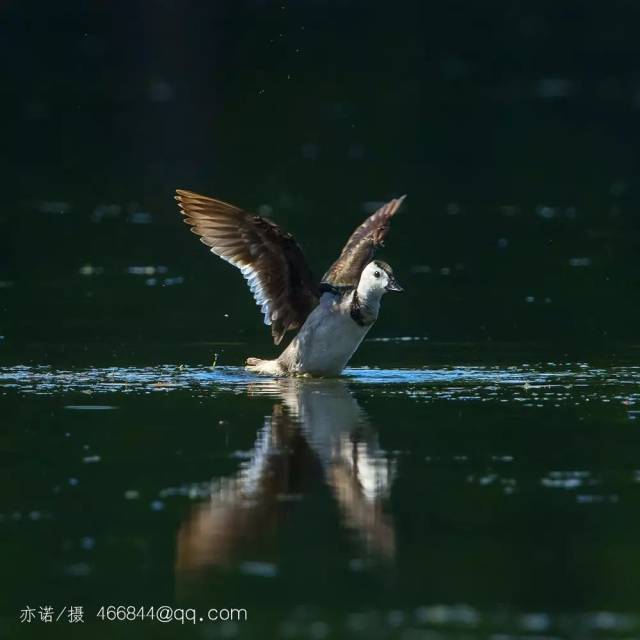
point(333, 316)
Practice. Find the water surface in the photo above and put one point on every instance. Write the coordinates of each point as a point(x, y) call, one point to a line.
point(453, 500)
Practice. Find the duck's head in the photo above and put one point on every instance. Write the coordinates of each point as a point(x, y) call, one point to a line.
point(377, 278)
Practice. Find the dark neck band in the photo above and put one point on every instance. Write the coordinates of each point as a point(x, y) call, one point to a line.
point(337, 290)
point(356, 311)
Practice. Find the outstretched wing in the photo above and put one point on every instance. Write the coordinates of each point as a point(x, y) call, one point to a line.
point(362, 245)
point(269, 258)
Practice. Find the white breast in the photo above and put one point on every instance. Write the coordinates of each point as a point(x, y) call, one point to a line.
point(327, 340)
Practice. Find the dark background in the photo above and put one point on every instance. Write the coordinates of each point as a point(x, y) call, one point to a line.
point(512, 126)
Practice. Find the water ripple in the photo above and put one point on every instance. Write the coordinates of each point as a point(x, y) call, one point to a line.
point(529, 384)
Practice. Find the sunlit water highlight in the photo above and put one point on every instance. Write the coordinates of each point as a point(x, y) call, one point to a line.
point(533, 385)
point(210, 489)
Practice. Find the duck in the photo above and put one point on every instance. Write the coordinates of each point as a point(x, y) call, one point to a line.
point(332, 316)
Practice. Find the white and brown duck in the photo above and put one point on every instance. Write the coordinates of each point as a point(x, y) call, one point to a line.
point(332, 316)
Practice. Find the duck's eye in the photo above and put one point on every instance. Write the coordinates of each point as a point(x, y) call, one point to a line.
point(376, 274)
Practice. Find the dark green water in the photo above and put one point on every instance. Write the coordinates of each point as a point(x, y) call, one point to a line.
point(488, 494)
point(481, 478)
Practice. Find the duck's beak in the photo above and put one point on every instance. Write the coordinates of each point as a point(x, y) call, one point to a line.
point(393, 285)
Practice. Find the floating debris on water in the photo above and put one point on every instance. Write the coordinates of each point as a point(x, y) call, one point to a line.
point(140, 217)
point(147, 270)
point(166, 282)
point(546, 212)
point(596, 499)
point(90, 270)
point(567, 479)
point(580, 262)
point(157, 505)
point(88, 543)
point(261, 569)
point(90, 407)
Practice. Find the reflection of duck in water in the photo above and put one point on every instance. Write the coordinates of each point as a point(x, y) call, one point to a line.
point(332, 316)
point(316, 433)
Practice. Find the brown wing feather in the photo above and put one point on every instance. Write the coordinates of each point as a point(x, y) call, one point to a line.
point(269, 258)
point(361, 247)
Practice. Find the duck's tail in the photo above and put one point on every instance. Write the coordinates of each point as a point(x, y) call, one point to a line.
point(266, 367)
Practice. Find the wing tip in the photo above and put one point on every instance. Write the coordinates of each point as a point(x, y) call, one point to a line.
point(392, 207)
point(396, 202)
